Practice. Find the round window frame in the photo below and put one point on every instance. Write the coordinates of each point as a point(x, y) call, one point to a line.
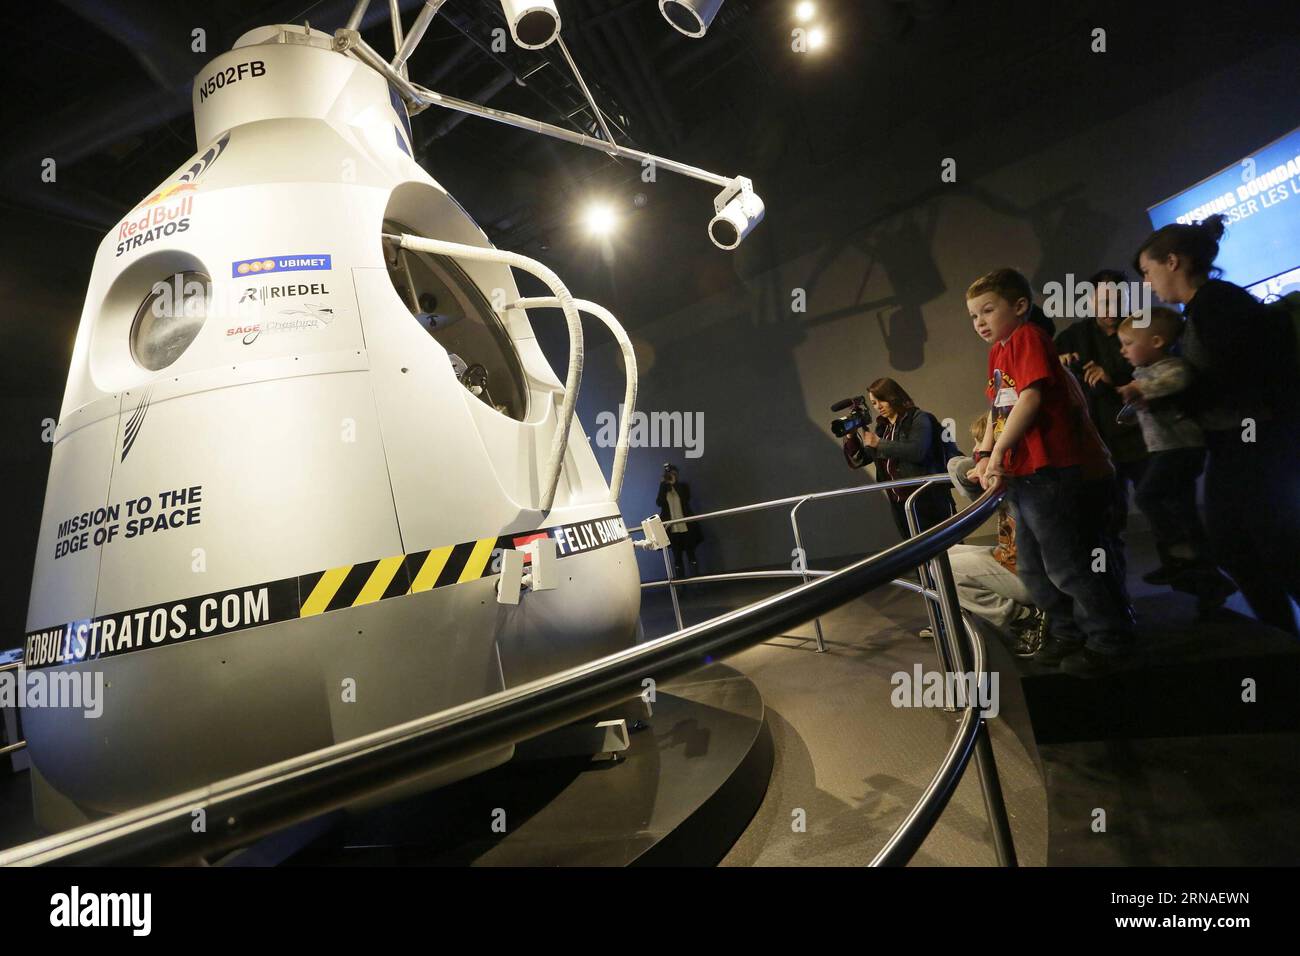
point(142, 309)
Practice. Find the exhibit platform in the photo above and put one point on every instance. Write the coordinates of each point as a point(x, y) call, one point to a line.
point(681, 794)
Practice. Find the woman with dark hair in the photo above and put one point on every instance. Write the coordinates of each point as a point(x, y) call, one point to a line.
point(907, 442)
point(1244, 397)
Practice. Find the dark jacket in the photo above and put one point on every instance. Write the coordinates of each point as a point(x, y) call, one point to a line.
point(693, 533)
point(916, 448)
point(1093, 345)
point(1244, 354)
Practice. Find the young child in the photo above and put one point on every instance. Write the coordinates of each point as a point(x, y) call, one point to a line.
point(1040, 442)
point(1167, 492)
point(986, 579)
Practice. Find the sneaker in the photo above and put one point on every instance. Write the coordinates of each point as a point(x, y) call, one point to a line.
point(925, 634)
point(1054, 650)
point(1028, 633)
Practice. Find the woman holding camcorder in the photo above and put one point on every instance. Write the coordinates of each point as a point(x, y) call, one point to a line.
point(903, 442)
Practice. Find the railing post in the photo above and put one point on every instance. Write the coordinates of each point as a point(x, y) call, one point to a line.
point(803, 568)
point(985, 764)
point(672, 589)
point(942, 650)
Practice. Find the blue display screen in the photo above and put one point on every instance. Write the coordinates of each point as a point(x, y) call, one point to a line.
point(1260, 196)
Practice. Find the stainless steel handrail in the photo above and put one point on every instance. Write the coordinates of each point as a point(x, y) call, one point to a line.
point(971, 738)
point(925, 574)
point(920, 820)
point(17, 745)
point(242, 808)
point(938, 588)
point(798, 501)
point(815, 496)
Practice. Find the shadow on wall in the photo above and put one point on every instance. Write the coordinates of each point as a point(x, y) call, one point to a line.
point(1071, 231)
point(902, 248)
point(887, 300)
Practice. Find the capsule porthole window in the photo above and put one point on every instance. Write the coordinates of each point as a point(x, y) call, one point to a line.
point(169, 319)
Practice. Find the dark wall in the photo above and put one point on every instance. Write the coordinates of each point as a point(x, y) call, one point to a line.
point(886, 298)
point(44, 270)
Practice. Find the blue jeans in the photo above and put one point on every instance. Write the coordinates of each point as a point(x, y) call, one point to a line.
point(1105, 512)
point(1054, 561)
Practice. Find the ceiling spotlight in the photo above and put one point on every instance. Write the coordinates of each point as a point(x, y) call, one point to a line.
point(803, 12)
point(533, 23)
point(600, 219)
point(691, 17)
point(738, 210)
point(816, 38)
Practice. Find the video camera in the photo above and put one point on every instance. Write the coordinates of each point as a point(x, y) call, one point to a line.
point(859, 417)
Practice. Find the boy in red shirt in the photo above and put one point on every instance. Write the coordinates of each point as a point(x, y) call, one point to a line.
point(1042, 444)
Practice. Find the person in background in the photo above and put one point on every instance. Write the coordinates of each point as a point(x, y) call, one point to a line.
point(674, 501)
point(1090, 348)
point(907, 442)
point(1167, 494)
point(986, 577)
point(1245, 399)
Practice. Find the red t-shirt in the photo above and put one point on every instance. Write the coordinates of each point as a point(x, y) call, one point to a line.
point(1058, 436)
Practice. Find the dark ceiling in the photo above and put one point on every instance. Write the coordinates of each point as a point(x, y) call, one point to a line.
point(103, 86)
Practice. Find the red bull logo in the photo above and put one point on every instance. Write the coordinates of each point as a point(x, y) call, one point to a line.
point(157, 222)
point(167, 212)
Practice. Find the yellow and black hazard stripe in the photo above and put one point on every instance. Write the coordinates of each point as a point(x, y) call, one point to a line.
point(307, 595)
point(353, 585)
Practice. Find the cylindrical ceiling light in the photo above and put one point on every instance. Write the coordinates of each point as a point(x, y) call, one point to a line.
point(738, 210)
point(533, 23)
point(691, 17)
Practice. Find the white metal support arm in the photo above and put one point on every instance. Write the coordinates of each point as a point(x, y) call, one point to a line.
point(629, 364)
